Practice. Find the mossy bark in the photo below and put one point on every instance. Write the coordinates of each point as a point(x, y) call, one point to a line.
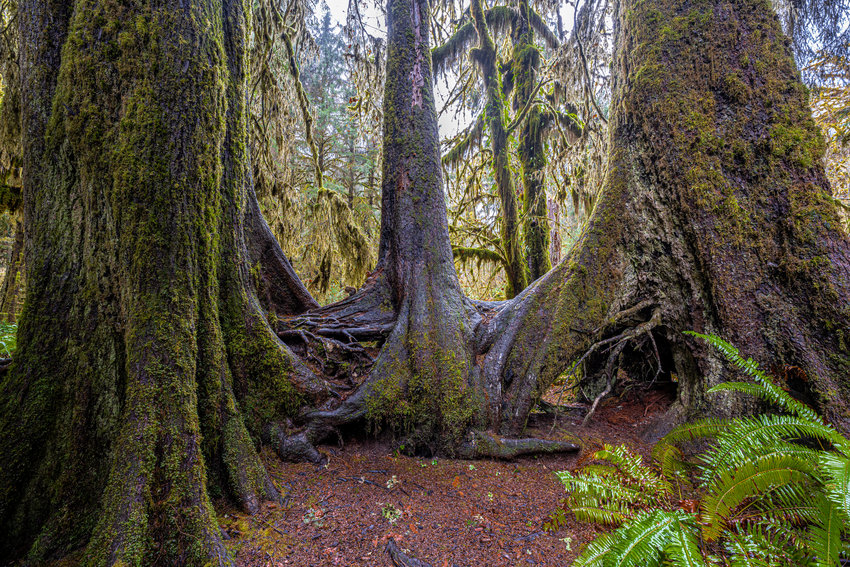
point(714, 217)
point(532, 147)
point(421, 384)
point(146, 369)
point(495, 115)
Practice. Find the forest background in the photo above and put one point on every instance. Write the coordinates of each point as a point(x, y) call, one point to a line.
point(331, 234)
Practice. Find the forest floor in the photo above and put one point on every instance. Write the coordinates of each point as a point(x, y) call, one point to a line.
point(443, 511)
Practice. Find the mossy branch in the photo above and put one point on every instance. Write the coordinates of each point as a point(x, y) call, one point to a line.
point(528, 105)
point(542, 29)
point(467, 254)
point(569, 121)
point(499, 20)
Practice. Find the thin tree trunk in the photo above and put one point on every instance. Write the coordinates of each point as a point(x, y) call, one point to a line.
point(554, 211)
point(13, 280)
point(532, 150)
point(485, 58)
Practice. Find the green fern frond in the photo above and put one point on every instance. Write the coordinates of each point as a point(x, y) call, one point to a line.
point(741, 554)
point(825, 536)
point(683, 548)
point(748, 388)
point(596, 552)
point(672, 462)
point(773, 489)
point(583, 485)
point(699, 429)
point(836, 472)
point(631, 465)
point(746, 436)
point(643, 541)
point(597, 515)
point(787, 506)
point(608, 471)
point(776, 545)
point(771, 392)
point(730, 488)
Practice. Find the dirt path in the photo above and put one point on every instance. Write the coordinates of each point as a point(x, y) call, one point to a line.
point(446, 512)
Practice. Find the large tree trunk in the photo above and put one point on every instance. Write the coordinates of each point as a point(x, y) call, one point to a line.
point(715, 217)
point(421, 383)
point(145, 361)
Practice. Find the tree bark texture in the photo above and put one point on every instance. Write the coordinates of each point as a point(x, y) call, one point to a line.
point(714, 217)
point(145, 362)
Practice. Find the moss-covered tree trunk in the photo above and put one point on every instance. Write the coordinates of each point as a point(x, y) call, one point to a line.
point(421, 383)
point(145, 363)
point(495, 115)
point(532, 148)
point(715, 216)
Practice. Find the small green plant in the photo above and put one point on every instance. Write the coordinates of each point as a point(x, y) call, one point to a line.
point(314, 517)
point(769, 490)
point(474, 521)
point(8, 339)
point(391, 513)
point(391, 482)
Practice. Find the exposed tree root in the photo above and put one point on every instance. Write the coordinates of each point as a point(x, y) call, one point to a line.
point(620, 341)
point(292, 447)
point(485, 445)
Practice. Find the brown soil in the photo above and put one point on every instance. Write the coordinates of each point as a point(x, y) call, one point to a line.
point(444, 511)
